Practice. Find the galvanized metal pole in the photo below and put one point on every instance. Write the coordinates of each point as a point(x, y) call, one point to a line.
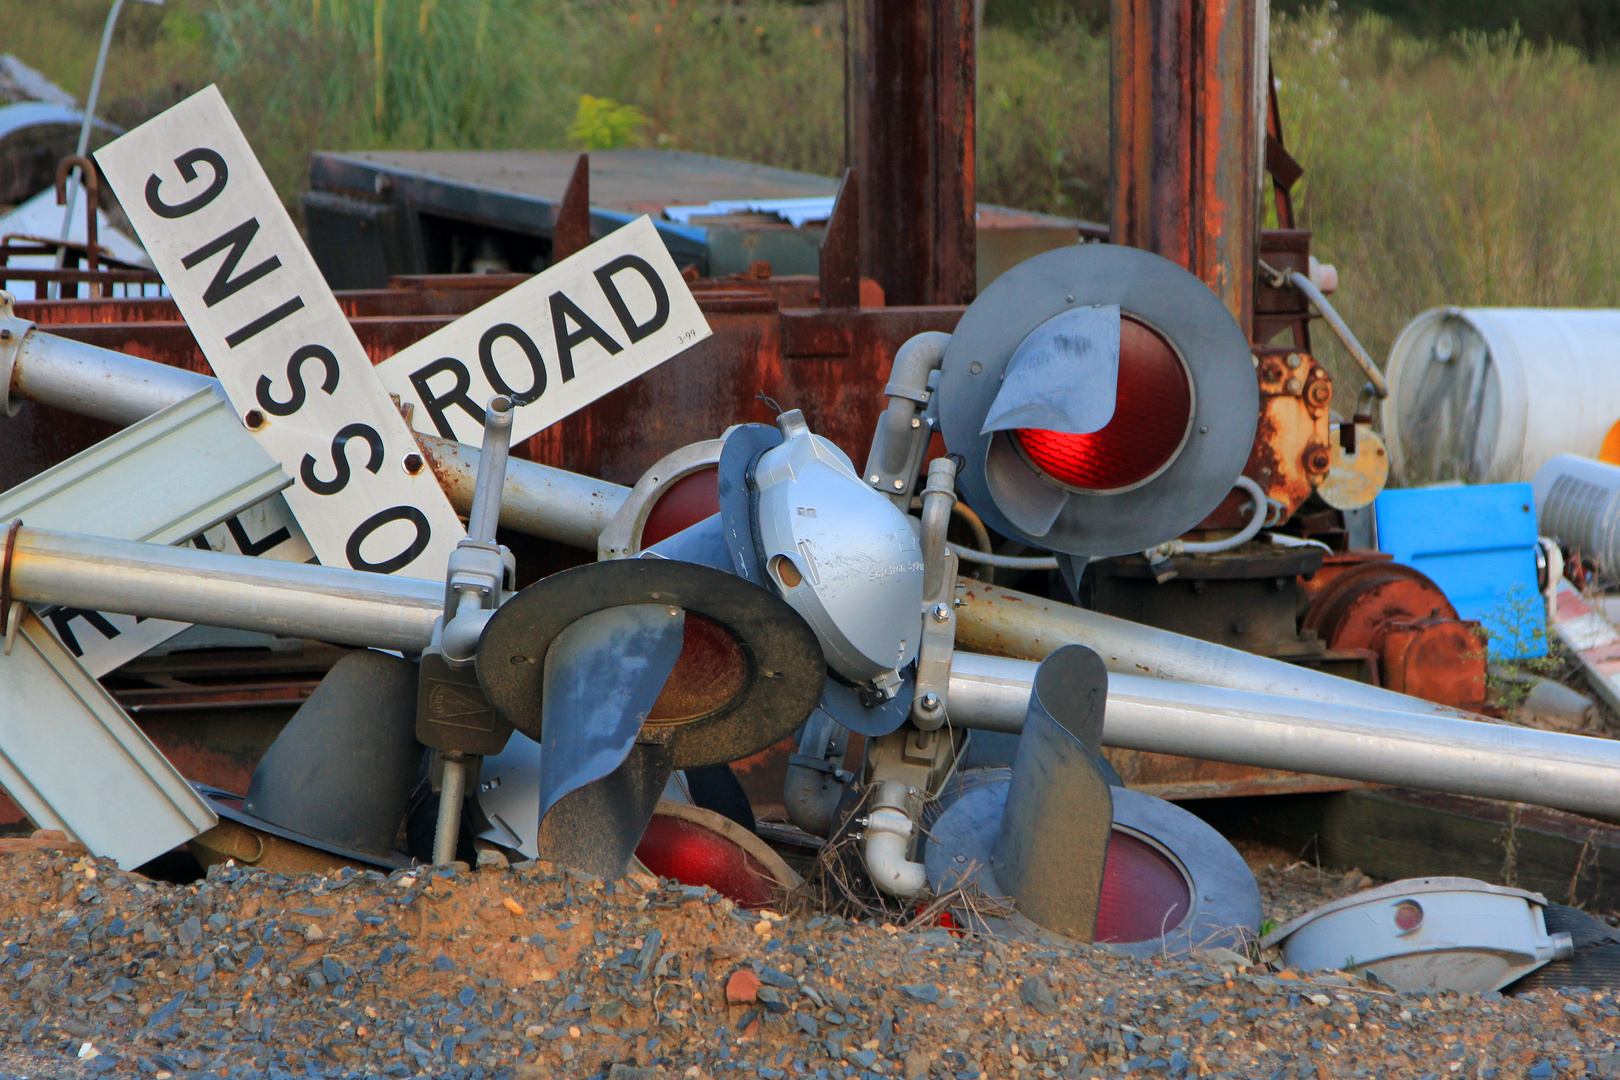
point(538, 500)
point(1465, 757)
point(1571, 772)
point(238, 592)
point(1003, 622)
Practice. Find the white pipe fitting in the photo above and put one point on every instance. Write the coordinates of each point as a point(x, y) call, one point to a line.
point(887, 842)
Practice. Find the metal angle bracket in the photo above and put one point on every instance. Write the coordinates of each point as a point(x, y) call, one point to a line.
point(113, 790)
point(937, 639)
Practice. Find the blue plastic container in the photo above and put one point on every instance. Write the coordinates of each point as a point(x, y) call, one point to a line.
point(1478, 543)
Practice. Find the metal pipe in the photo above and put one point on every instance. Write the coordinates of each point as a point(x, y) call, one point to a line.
point(1008, 623)
point(481, 519)
point(95, 382)
point(939, 495)
point(452, 793)
point(1571, 772)
point(87, 380)
point(901, 439)
point(1465, 757)
point(1342, 329)
point(237, 592)
point(1004, 562)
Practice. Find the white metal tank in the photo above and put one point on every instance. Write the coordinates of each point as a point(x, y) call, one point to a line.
point(1488, 395)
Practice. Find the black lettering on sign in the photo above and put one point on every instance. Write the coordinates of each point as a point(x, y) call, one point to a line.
point(340, 459)
point(537, 363)
point(295, 377)
point(264, 322)
point(62, 616)
point(249, 546)
point(435, 403)
point(562, 311)
point(424, 533)
point(660, 315)
point(186, 163)
point(235, 244)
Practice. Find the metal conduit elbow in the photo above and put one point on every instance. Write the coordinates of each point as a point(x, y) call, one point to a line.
point(887, 841)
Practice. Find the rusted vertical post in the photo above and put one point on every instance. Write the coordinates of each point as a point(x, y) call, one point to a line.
point(1188, 84)
point(571, 231)
point(840, 262)
point(911, 83)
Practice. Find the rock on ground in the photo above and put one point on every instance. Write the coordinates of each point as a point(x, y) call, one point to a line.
point(527, 973)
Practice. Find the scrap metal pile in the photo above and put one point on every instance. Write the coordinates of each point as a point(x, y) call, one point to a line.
point(1094, 403)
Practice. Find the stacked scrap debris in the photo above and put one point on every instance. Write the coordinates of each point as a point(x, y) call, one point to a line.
point(1095, 404)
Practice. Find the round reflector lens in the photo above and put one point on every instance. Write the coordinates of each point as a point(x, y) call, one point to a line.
point(688, 501)
point(708, 675)
point(686, 852)
point(1144, 895)
point(1408, 916)
point(1152, 411)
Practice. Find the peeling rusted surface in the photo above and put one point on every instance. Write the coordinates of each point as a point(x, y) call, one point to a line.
point(1170, 777)
point(571, 231)
point(840, 262)
point(1186, 137)
point(1436, 659)
point(1292, 452)
point(1423, 648)
point(911, 89)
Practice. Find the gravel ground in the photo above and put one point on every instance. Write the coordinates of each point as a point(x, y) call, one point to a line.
point(525, 973)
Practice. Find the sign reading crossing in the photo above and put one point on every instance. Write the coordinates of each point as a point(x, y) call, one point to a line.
point(282, 348)
point(554, 344)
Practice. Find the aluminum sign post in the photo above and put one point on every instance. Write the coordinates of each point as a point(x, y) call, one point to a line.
point(555, 343)
point(275, 336)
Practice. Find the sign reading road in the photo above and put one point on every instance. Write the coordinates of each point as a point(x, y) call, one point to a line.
point(555, 343)
point(282, 348)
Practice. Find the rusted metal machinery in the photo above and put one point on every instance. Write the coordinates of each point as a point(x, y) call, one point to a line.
point(1196, 135)
point(1190, 89)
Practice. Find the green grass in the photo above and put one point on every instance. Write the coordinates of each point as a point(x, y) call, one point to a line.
point(1466, 170)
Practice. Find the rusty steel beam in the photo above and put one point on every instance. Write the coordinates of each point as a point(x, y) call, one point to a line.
point(911, 91)
point(571, 230)
point(1188, 134)
point(840, 263)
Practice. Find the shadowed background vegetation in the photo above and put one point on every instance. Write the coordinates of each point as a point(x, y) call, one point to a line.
point(1468, 166)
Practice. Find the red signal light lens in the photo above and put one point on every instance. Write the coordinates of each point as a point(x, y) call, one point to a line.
point(1152, 411)
point(1144, 895)
point(692, 855)
point(688, 501)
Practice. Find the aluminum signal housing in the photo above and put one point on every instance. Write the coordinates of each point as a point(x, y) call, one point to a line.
point(1103, 400)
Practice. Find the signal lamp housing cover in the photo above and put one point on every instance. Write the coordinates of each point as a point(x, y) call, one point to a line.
point(1103, 398)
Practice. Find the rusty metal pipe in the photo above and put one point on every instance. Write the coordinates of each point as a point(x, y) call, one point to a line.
point(538, 500)
point(1274, 731)
point(1008, 623)
point(237, 592)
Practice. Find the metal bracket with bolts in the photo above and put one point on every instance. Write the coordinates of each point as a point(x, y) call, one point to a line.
point(477, 580)
point(937, 640)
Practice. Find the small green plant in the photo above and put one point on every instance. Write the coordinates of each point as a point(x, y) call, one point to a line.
point(1267, 926)
point(604, 124)
point(1517, 626)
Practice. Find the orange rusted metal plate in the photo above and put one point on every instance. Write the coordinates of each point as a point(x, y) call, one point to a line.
point(1170, 777)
